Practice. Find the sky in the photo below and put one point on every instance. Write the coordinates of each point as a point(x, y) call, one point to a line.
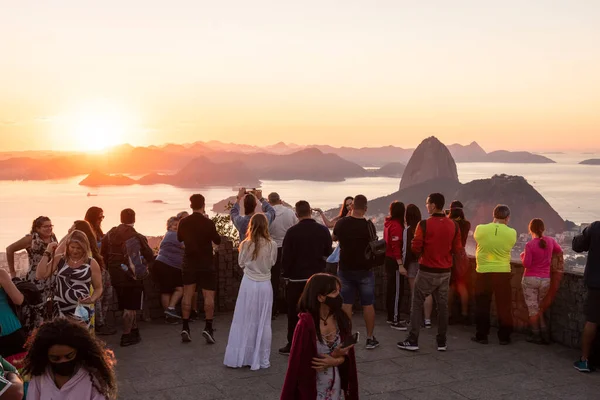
point(511, 75)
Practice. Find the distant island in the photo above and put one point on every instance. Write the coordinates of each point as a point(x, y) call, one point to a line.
point(591, 161)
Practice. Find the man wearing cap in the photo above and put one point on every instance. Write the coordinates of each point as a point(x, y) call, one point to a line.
point(285, 218)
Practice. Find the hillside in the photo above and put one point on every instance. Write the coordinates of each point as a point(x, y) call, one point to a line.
point(591, 161)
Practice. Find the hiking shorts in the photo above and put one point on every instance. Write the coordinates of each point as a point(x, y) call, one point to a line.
point(361, 281)
point(199, 274)
point(129, 292)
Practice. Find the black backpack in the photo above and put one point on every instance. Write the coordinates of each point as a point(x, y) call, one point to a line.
point(32, 299)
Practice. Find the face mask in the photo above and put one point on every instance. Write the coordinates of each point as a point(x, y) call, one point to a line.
point(334, 303)
point(64, 368)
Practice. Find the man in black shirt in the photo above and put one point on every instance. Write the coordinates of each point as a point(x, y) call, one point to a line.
point(354, 232)
point(306, 247)
point(197, 232)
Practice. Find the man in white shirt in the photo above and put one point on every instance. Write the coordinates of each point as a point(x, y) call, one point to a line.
point(285, 218)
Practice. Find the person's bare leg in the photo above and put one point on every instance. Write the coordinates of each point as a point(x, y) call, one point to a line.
point(589, 334)
point(369, 316)
point(209, 303)
point(128, 321)
point(165, 299)
point(195, 302)
point(186, 303)
point(176, 297)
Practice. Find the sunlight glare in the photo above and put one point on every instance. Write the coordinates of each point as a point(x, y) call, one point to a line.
point(98, 127)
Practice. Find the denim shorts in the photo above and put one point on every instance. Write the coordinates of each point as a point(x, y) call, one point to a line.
point(361, 281)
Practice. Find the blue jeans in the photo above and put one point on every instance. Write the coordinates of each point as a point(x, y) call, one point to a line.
point(361, 281)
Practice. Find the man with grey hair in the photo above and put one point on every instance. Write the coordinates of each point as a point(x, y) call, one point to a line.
point(285, 218)
point(494, 246)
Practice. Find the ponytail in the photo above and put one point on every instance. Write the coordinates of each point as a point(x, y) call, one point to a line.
point(543, 243)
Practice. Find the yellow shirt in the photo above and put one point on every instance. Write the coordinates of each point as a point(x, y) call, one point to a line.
point(494, 245)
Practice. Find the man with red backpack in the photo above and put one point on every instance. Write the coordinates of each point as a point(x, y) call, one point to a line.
point(127, 255)
point(438, 241)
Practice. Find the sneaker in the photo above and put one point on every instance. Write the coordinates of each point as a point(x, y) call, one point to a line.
point(105, 330)
point(504, 342)
point(185, 336)
point(285, 350)
point(372, 343)
point(171, 321)
point(478, 340)
point(582, 366)
point(171, 312)
point(534, 338)
point(408, 345)
point(389, 321)
point(442, 345)
point(129, 340)
point(209, 336)
point(399, 326)
point(427, 324)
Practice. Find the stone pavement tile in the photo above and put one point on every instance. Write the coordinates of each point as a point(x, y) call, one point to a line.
point(383, 384)
point(157, 383)
point(427, 377)
point(145, 396)
point(420, 363)
point(220, 373)
point(385, 396)
point(432, 393)
point(125, 389)
point(518, 382)
point(529, 395)
point(194, 392)
point(132, 370)
point(377, 368)
point(579, 392)
point(251, 388)
point(478, 389)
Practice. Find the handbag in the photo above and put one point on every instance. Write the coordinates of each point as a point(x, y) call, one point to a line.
point(375, 251)
point(334, 258)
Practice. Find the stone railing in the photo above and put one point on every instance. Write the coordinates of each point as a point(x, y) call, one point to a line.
point(564, 316)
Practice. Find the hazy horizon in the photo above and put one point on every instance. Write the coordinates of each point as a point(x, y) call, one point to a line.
point(511, 75)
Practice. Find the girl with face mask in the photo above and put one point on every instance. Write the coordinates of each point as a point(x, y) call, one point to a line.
point(66, 362)
point(319, 366)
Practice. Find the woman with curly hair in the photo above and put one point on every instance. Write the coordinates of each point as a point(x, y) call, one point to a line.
point(66, 362)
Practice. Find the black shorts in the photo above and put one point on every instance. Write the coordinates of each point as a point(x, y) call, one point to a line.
point(204, 278)
point(13, 343)
point(167, 278)
point(130, 297)
point(592, 306)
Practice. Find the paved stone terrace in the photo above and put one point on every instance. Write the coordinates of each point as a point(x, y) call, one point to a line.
point(161, 367)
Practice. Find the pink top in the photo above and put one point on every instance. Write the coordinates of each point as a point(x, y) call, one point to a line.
point(79, 387)
point(536, 260)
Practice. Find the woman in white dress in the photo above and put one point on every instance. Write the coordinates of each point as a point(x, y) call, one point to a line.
point(250, 335)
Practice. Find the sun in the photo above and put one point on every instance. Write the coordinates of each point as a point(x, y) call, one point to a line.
point(98, 126)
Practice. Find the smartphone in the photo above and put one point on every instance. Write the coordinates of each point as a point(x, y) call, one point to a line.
point(350, 340)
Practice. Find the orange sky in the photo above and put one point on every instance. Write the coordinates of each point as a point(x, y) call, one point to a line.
point(513, 76)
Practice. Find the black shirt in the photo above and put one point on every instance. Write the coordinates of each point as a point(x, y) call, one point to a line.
point(354, 236)
point(306, 246)
point(197, 234)
point(589, 240)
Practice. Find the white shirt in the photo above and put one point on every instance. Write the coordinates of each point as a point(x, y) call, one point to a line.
point(285, 218)
point(258, 270)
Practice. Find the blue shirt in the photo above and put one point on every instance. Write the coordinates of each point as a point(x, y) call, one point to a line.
point(171, 250)
point(8, 320)
point(241, 222)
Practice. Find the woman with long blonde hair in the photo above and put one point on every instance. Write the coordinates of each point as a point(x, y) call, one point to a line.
point(74, 274)
point(250, 334)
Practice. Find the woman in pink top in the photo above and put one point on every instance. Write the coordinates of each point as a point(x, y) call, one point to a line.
point(537, 260)
point(66, 362)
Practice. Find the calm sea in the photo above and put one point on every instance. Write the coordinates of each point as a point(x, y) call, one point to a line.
point(570, 188)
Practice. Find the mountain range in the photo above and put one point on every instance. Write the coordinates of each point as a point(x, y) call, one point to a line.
point(277, 162)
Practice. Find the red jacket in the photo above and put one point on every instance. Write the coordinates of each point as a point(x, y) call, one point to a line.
point(392, 234)
point(442, 239)
point(301, 379)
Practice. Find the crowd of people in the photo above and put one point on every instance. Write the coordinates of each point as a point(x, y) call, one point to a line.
point(62, 302)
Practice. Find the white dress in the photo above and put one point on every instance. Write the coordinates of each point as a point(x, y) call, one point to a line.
point(249, 341)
